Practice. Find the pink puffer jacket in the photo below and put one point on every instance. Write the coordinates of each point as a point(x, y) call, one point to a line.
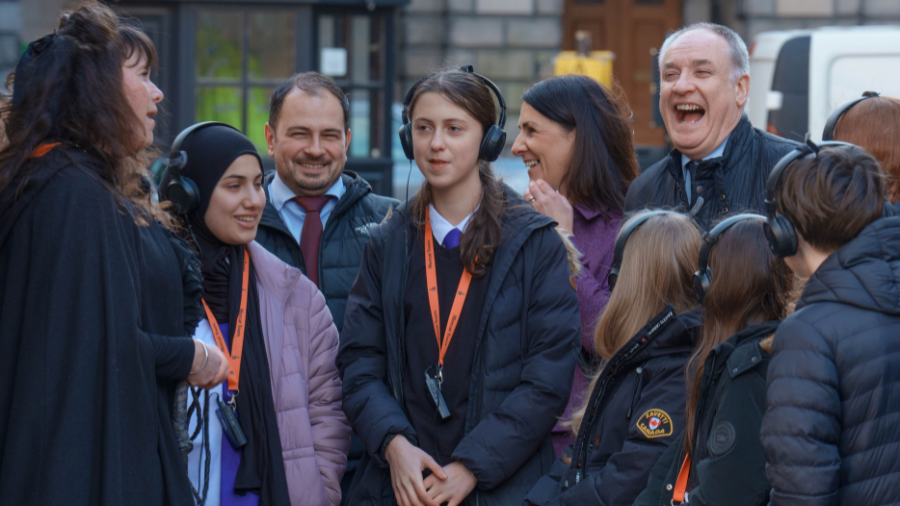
point(301, 344)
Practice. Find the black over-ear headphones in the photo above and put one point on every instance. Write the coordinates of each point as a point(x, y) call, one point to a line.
point(491, 143)
point(181, 191)
point(779, 230)
point(828, 133)
point(703, 276)
point(621, 239)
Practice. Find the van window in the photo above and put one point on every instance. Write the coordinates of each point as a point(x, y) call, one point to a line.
point(791, 79)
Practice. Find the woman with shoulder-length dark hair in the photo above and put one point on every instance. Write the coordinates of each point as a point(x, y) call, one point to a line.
point(458, 340)
point(97, 299)
point(746, 292)
point(576, 140)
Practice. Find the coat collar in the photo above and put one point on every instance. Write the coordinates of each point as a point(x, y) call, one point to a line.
point(276, 277)
point(735, 150)
point(864, 273)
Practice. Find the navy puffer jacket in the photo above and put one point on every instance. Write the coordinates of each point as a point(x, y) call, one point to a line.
point(832, 426)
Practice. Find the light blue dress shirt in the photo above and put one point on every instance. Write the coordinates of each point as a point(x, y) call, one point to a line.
point(719, 151)
point(292, 214)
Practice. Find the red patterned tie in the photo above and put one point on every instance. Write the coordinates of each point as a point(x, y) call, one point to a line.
point(312, 233)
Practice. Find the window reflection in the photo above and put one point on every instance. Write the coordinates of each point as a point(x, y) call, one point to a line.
point(219, 54)
point(241, 57)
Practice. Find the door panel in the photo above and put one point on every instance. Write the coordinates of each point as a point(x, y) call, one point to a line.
point(633, 30)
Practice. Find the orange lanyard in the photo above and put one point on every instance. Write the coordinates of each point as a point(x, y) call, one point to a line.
point(458, 301)
point(237, 345)
point(681, 483)
point(42, 150)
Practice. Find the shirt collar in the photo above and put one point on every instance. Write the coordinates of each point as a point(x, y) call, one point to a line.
point(280, 193)
point(440, 227)
point(719, 151)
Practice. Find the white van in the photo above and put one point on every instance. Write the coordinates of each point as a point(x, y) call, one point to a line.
point(798, 77)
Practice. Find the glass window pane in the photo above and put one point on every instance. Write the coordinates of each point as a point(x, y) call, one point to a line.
point(219, 44)
point(270, 53)
point(219, 103)
point(257, 116)
point(361, 34)
point(366, 119)
point(326, 32)
point(360, 108)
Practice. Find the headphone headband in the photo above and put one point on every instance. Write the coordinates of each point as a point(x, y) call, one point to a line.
point(703, 277)
point(828, 132)
point(712, 237)
point(179, 190)
point(494, 137)
point(621, 241)
point(802, 151)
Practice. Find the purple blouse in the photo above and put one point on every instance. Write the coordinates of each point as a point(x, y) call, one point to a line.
point(595, 238)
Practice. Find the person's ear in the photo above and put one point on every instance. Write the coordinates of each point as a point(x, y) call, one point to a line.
point(742, 90)
point(270, 140)
point(347, 146)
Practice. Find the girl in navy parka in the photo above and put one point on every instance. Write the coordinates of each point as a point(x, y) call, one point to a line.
point(636, 406)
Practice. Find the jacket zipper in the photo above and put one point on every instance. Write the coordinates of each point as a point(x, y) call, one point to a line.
point(636, 383)
point(582, 449)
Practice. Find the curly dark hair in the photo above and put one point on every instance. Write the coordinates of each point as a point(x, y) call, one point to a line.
point(74, 94)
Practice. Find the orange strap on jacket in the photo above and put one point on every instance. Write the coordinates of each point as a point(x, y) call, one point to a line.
point(681, 483)
point(461, 292)
point(42, 150)
point(237, 345)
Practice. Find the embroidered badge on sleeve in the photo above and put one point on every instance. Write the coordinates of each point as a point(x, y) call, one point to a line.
point(655, 423)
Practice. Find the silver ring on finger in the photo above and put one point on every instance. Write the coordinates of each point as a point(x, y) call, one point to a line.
point(531, 200)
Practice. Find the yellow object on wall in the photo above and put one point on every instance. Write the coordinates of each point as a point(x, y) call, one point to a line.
point(599, 65)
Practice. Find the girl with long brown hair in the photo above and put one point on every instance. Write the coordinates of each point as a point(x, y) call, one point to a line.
point(636, 403)
point(746, 292)
point(97, 298)
point(458, 343)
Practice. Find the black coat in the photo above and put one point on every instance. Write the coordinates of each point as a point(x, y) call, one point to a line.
point(524, 357)
point(732, 183)
point(831, 432)
point(343, 239)
point(728, 466)
point(92, 345)
point(617, 445)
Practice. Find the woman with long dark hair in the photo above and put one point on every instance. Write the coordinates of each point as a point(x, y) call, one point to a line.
point(635, 408)
point(97, 297)
point(457, 346)
point(576, 140)
point(284, 389)
point(720, 459)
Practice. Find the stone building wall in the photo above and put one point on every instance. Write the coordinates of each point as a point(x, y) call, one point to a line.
point(750, 17)
point(512, 42)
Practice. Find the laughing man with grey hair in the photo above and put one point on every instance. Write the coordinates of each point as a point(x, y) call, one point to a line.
point(720, 162)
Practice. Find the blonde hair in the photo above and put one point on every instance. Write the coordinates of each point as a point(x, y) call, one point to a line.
point(650, 278)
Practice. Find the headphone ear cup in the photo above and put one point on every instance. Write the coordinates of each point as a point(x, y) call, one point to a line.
point(702, 281)
point(183, 193)
point(789, 245)
point(612, 278)
point(406, 141)
point(781, 236)
point(492, 144)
